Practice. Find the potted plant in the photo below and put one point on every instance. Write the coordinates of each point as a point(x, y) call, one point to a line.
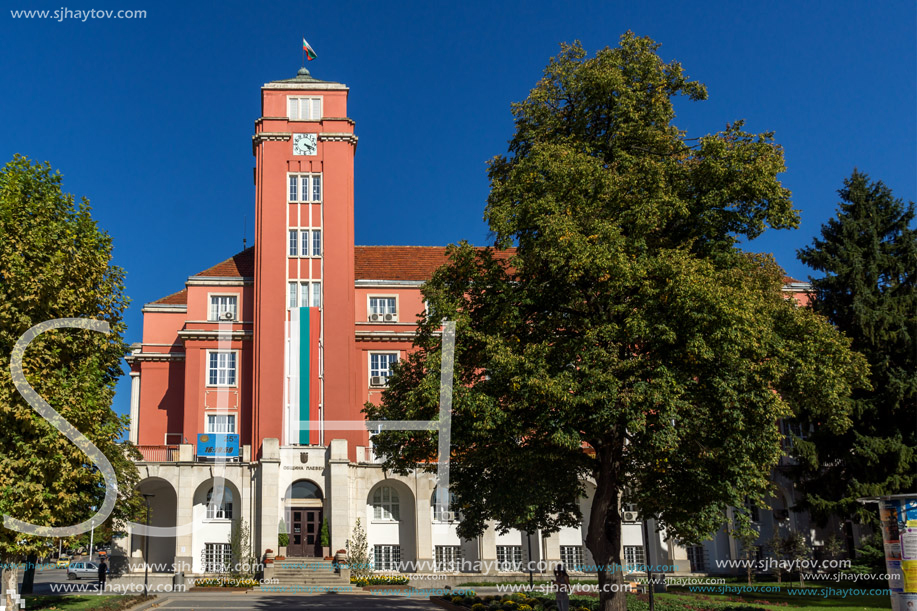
point(325, 539)
point(268, 556)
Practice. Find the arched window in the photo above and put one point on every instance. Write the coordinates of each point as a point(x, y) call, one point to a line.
point(219, 509)
point(443, 512)
point(385, 504)
point(305, 490)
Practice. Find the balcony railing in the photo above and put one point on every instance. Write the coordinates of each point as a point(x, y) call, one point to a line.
point(159, 453)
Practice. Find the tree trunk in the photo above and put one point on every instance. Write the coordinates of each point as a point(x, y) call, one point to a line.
point(9, 583)
point(28, 578)
point(604, 535)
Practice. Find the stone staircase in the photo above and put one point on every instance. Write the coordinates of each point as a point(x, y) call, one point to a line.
point(305, 576)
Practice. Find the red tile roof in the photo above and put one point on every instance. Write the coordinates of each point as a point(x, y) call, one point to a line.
point(240, 265)
point(401, 262)
point(412, 263)
point(179, 298)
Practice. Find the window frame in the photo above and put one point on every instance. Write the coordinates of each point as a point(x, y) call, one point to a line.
point(369, 307)
point(235, 370)
point(638, 559)
point(222, 511)
point(301, 191)
point(295, 290)
point(386, 510)
point(392, 563)
point(572, 557)
point(370, 355)
point(453, 564)
point(509, 566)
point(438, 510)
point(237, 315)
point(311, 106)
point(209, 430)
point(216, 557)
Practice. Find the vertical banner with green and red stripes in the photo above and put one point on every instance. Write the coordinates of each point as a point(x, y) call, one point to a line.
point(309, 333)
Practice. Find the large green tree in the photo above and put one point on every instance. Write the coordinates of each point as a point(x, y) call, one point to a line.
point(55, 262)
point(867, 255)
point(626, 344)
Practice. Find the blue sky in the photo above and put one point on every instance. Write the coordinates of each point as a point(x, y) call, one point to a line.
point(151, 119)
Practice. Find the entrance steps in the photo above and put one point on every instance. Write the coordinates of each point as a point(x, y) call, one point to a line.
point(305, 576)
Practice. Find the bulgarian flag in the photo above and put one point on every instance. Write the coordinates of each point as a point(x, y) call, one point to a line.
point(310, 52)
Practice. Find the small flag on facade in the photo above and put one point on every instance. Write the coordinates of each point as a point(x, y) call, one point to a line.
point(310, 52)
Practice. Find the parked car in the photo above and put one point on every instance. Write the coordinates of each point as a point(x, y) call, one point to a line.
point(62, 562)
point(78, 570)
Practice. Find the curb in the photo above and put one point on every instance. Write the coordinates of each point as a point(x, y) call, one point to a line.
point(147, 604)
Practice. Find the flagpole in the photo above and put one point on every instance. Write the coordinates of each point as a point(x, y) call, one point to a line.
point(303, 62)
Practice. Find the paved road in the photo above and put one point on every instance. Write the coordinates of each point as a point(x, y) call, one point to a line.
point(45, 577)
point(349, 602)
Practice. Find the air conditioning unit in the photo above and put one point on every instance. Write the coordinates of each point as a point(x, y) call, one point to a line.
point(377, 381)
point(630, 516)
point(448, 516)
point(375, 317)
point(391, 318)
point(227, 316)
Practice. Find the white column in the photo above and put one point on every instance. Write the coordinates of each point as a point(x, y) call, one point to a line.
point(338, 497)
point(135, 406)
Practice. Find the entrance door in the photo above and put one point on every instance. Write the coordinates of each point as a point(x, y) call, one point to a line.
point(305, 526)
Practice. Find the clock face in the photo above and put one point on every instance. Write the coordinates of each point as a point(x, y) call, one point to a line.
point(304, 144)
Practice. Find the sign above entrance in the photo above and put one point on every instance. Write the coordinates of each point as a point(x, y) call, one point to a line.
point(212, 445)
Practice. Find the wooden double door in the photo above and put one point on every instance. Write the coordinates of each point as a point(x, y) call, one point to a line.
point(305, 529)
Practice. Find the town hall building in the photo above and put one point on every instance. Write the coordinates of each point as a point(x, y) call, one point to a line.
point(247, 389)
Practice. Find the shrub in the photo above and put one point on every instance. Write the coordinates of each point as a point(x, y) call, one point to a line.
point(378, 580)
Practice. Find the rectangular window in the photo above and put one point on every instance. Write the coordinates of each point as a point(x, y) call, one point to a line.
point(316, 242)
point(306, 294)
point(304, 243)
point(305, 187)
point(448, 558)
point(634, 559)
point(572, 557)
point(221, 424)
point(294, 243)
point(224, 304)
point(696, 558)
point(386, 557)
point(509, 557)
point(380, 364)
point(217, 557)
point(222, 369)
point(383, 309)
point(304, 109)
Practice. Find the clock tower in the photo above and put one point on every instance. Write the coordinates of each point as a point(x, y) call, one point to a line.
point(304, 347)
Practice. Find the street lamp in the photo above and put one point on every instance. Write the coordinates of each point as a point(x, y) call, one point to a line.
point(146, 546)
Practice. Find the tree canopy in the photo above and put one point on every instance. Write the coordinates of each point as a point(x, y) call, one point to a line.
point(867, 255)
point(55, 262)
point(617, 341)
